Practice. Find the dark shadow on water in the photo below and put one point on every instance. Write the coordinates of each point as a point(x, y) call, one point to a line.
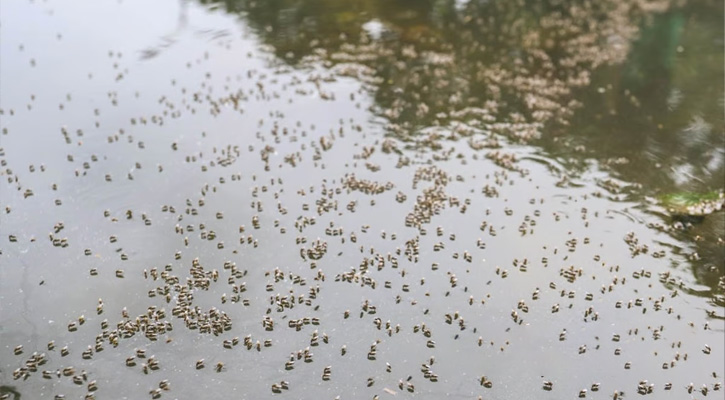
point(5, 390)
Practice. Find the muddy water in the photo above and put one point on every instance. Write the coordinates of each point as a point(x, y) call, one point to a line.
point(433, 199)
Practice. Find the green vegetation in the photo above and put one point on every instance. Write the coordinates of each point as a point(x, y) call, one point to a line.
point(693, 204)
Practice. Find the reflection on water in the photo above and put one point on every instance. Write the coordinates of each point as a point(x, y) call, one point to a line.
point(360, 199)
point(650, 75)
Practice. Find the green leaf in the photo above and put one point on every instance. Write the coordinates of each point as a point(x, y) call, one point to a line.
point(693, 204)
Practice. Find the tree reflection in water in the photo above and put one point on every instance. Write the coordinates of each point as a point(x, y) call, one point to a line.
point(634, 85)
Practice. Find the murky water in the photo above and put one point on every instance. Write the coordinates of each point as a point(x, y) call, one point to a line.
point(368, 199)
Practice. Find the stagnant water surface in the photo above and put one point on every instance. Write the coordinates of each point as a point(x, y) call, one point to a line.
point(363, 199)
